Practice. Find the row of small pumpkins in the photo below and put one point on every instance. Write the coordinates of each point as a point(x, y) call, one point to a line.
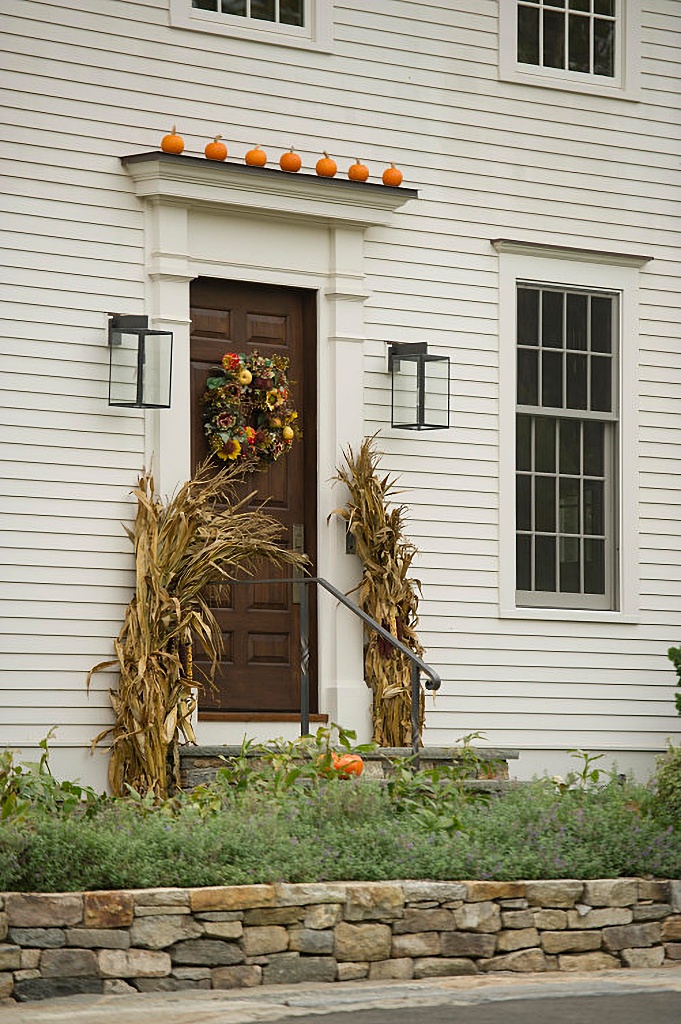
point(290, 161)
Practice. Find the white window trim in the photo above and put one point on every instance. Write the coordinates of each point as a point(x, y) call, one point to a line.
point(565, 268)
point(625, 85)
point(316, 35)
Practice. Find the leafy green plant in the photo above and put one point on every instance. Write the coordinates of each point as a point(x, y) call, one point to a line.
point(30, 786)
point(674, 655)
point(667, 787)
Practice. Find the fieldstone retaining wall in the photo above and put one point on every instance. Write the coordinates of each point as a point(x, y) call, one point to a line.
point(248, 935)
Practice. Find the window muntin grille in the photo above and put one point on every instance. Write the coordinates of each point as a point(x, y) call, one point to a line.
point(565, 437)
point(569, 35)
point(278, 12)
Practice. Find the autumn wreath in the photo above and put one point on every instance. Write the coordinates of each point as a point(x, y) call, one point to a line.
point(248, 408)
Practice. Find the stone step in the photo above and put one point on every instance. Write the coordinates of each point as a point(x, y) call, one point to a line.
point(199, 764)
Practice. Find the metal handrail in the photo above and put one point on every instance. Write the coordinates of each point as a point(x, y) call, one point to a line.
point(417, 664)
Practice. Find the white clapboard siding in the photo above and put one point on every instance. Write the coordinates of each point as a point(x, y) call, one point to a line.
point(413, 83)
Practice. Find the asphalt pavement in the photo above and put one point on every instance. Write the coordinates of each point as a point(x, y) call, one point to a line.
point(608, 997)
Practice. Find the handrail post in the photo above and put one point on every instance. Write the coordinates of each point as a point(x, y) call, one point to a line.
point(304, 661)
point(415, 712)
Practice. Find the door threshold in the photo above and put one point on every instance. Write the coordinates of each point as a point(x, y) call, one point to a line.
point(257, 716)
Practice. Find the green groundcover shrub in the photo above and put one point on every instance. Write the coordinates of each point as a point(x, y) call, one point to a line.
point(283, 822)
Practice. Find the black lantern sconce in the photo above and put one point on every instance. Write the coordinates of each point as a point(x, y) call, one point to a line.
point(420, 387)
point(140, 364)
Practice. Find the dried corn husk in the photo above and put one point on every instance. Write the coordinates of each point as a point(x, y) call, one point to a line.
point(200, 535)
point(386, 592)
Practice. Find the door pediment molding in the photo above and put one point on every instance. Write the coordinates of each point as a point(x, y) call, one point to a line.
point(196, 182)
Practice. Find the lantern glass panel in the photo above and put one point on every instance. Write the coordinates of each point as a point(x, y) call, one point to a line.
point(123, 368)
point(436, 404)
point(156, 369)
point(405, 393)
point(140, 368)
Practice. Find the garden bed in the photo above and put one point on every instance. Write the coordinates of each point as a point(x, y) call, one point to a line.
point(243, 936)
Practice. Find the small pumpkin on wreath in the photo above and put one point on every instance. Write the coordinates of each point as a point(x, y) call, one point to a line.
point(248, 413)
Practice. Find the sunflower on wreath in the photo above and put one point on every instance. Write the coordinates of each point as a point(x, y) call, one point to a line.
point(248, 412)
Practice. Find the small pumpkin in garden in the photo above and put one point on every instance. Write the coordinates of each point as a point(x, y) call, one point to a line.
point(216, 150)
point(358, 171)
point(347, 764)
point(326, 167)
point(290, 161)
point(172, 143)
point(256, 157)
point(392, 176)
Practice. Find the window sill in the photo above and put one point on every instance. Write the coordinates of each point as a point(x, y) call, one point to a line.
point(564, 82)
point(570, 615)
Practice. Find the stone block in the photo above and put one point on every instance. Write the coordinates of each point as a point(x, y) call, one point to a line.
point(672, 950)
point(299, 894)
point(161, 898)
point(6, 985)
point(38, 938)
point(241, 976)
point(10, 958)
point(4, 925)
point(168, 984)
point(675, 895)
point(477, 892)
point(441, 892)
point(98, 938)
point(419, 944)
point(232, 897)
point(610, 892)
point(522, 960)
point(517, 919)
point(162, 911)
point(602, 918)
point(49, 988)
point(651, 911)
point(193, 973)
point(550, 894)
point(283, 971)
point(385, 970)
point(220, 915)
point(352, 972)
point(651, 957)
point(311, 940)
point(517, 938)
point(671, 929)
point(570, 941)
point(467, 944)
point(514, 904)
point(117, 987)
point(478, 917)
point(30, 958)
point(27, 974)
point(323, 915)
point(415, 920)
point(374, 901)
point(206, 953)
point(133, 963)
point(443, 967)
point(43, 910)
point(262, 916)
point(362, 941)
point(268, 939)
point(653, 889)
point(550, 920)
point(166, 930)
point(108, 909)
point(632, 936)
point(223, 929)
point(597, 961)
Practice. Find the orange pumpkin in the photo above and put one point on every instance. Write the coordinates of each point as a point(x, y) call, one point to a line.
point(347, 764)
point(216, 150)
point(358, 171)
point(172, 143)
point(256, 157)
point(392, 176)
point(326, 167)
point(290, 161)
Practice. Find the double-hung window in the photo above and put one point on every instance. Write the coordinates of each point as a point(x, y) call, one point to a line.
point(568, 468)
point(581, 45)
point(566, 437)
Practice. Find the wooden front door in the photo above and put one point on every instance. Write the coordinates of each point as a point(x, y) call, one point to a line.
point(260, 668)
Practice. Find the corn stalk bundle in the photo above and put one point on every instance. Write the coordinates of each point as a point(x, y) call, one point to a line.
point(385, 592)
point(202, 534)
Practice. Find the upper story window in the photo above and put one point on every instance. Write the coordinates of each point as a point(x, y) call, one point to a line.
point(301, 23)
point(588, 46)
point(573, 35)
